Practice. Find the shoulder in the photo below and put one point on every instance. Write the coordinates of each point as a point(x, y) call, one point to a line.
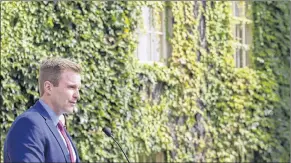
point(29, 119)
point(31, 115)
point(27, 127)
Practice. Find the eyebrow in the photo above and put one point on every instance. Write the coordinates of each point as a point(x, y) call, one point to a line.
point(74, 85)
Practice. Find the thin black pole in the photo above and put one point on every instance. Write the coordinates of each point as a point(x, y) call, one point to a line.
point(120, 148)
point(290, 73)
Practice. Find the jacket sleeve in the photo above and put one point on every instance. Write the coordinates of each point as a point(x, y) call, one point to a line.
point(25, 142)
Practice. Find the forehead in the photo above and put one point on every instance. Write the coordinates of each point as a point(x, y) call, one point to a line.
point(70, 77)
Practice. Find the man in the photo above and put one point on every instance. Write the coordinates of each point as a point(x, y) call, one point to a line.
point(37, 135)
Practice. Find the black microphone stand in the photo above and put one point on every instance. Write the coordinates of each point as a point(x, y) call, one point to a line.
point(107, 131)
point(120, 148)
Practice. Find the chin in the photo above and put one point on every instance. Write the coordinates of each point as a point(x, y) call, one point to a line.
point(69, 110)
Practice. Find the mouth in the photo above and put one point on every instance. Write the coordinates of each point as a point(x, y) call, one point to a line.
point(73, 102)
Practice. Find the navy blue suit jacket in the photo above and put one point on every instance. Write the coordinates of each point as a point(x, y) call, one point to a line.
point(34, 138)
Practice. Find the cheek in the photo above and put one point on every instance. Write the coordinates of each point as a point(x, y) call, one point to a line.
point(61, 95)
point(68, 94)
point(64, 94)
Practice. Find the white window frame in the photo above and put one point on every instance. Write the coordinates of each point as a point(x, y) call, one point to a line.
point(146, 50)
point(242, 25)
point(153, 157)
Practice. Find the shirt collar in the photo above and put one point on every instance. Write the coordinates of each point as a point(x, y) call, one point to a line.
point(51, 113)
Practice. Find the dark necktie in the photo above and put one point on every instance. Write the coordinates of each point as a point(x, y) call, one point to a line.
point(63, 132)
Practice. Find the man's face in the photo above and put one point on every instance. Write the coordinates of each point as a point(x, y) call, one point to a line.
point(66, 94)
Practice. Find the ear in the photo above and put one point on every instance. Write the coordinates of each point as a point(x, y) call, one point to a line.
point(47, 87)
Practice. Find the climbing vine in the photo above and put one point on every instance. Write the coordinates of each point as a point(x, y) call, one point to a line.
point(272, 54)
point(197, 107)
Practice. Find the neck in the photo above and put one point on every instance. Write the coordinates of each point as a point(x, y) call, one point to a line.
point(49, 103)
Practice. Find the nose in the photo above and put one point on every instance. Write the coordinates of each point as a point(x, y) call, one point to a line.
point(77, 94)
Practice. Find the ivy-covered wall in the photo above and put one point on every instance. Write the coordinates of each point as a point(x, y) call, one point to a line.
point(199, 107)
point(271, 53)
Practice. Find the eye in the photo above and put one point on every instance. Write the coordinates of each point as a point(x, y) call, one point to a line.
point(72, 86)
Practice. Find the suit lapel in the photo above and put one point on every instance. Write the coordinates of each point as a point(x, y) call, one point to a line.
point(57, 135)
point(52, 128)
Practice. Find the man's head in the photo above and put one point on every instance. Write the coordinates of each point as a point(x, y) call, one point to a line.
point(59, 84)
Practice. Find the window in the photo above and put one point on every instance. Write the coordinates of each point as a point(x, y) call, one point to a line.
point(242, 33)
point(154, 157)
point(152, 44)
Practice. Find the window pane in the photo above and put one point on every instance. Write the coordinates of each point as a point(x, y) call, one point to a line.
point(237, 58)
point(143, 50)
point(146, 18)
point(157, 47)
point(241, 58)
point(161, 50)
point(158, 21)
point(236, 9)
point(247, 58)
point(239, 8)
point(238, 33)
point(248, 34)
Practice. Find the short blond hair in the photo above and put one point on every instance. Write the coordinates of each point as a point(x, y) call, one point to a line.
point(51, 70)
